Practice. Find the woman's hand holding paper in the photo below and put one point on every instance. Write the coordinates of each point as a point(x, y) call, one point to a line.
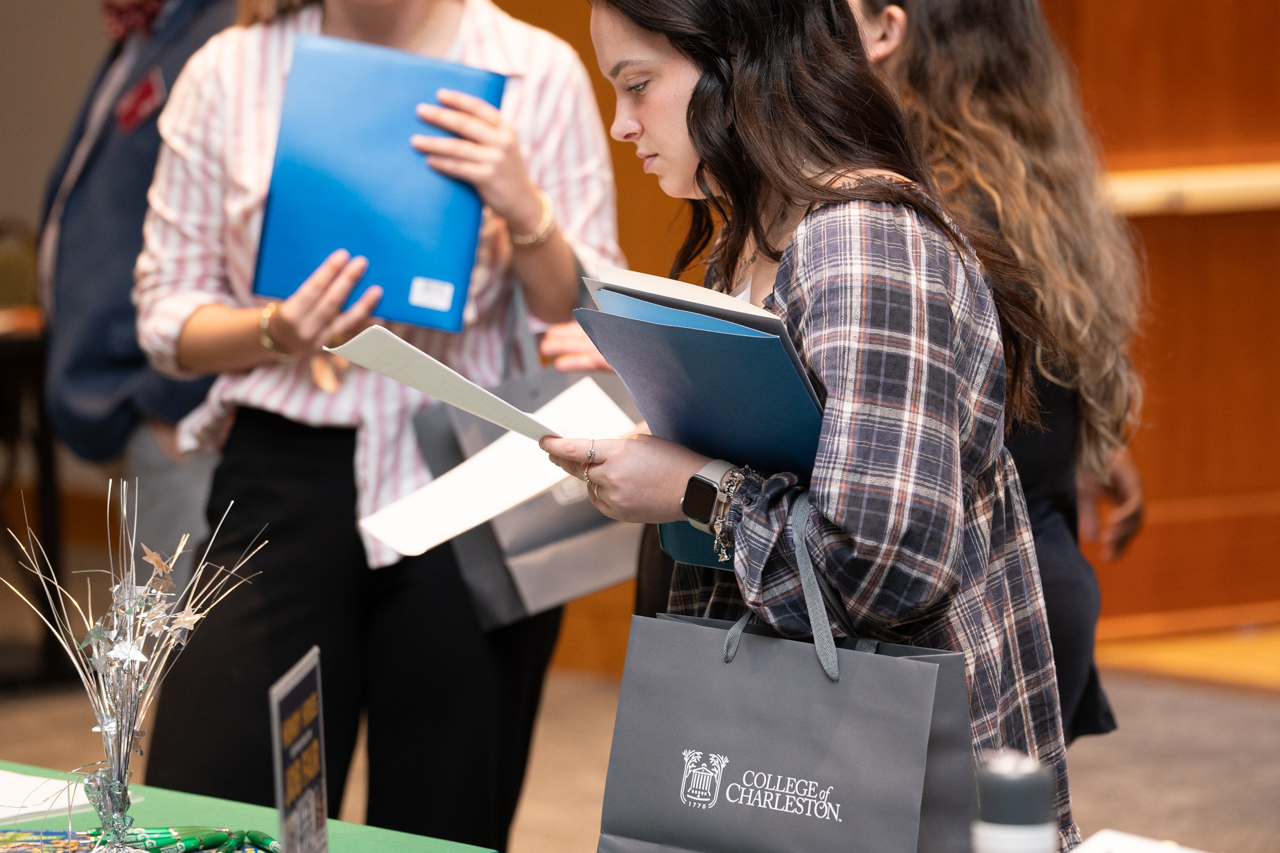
point(639, 479)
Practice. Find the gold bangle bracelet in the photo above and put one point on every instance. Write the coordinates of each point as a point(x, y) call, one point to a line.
point(264, 333)
point(264, 326)
point(546, 224)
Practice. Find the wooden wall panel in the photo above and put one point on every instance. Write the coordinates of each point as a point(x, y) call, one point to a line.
point(1177, 83)
point(1207, 447)
point(1170, 84)
point(1207, 351)
point(1196, 564)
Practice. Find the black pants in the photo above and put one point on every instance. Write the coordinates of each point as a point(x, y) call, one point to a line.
point(1072, 602)
point(451, 708)
point(653, 574)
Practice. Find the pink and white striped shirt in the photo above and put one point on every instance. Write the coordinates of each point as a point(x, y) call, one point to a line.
point(206, 205)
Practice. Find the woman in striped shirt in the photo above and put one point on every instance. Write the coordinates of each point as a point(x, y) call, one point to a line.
point(310, 445)
point(767, 116)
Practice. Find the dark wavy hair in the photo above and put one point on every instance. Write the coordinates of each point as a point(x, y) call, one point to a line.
point(786, 93)
point(993, 100)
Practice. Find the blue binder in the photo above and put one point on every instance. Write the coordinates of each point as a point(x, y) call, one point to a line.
point(721, 388)
point(346, 177)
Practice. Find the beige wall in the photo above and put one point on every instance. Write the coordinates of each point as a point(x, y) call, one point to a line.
point(49, 51)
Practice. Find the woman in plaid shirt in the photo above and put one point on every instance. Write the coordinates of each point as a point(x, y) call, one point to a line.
point(766, 116)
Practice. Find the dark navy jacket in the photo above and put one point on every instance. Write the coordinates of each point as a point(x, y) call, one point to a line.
point(98, 382)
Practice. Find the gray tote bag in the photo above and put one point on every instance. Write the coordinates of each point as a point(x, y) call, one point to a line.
point(552, 548)
point(730, 739)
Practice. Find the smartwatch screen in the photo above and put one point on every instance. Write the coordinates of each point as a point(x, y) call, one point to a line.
point(699, 499)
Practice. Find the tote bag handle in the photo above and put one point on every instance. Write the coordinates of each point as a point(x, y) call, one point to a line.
point(817, 596)
point(519, 335)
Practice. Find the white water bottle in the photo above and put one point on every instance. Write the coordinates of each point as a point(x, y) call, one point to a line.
point(1015, 806)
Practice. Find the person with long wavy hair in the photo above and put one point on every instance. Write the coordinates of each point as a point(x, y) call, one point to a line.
point(811, 201)
point(994, 103)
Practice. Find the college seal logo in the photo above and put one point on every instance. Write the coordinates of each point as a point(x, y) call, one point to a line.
point(700, 785)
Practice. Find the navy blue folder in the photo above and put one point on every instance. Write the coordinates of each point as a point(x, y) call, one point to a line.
point(717, 387)
point(346, 177)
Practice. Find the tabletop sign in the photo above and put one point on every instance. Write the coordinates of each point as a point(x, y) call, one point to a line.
point(297, 748)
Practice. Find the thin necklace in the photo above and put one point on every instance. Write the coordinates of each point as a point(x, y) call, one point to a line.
point(743, 273)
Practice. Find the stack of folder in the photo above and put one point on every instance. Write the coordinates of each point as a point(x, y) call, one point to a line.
point(710, 372)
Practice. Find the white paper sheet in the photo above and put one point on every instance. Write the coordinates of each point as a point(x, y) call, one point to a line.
point(383, 352)
point(1114, 841)
point(673, 289)
point(508, 472)
point(25, 797)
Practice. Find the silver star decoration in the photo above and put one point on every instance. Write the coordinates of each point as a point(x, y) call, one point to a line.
point(127, 651)
point(156, 561)
point(160, 577)
point(185, 620)
point(97, 635)
point(156, 620)
point(126, 598)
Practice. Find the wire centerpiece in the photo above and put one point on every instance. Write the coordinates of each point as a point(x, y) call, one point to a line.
point(123, 653)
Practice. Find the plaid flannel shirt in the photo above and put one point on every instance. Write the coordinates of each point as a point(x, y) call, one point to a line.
point(917, 516)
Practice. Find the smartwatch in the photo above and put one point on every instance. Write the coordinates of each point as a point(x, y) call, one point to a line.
point(702, 494)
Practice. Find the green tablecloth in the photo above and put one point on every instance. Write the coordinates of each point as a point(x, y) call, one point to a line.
point(161, 807)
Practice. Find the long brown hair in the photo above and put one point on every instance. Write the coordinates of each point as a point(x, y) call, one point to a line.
point(265, 11)
point(994, 103)
point(786, 91)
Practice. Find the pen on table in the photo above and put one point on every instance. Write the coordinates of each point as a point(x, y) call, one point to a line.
point(263, 841)
point(233, 843)
point(131, 835)
point(156, 832)
point(161, 841)
point(186, 843)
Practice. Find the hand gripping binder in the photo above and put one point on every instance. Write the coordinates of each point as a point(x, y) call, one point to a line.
point(346, 177)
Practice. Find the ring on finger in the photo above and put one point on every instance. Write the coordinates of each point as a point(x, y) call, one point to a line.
point(596, 491)
point(591, 453)
point(586, 473)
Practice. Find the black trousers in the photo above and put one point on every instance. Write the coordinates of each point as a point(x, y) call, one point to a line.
point(653, 574)
point(450, 708)
point(1072, 602)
